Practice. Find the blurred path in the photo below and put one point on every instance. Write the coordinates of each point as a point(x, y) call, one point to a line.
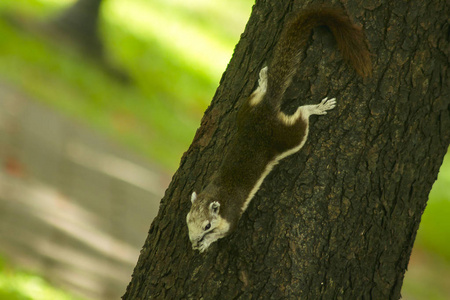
point(73, 206)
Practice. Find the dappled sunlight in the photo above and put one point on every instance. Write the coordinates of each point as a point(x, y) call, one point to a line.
point(59, 230)
point(170, 83)
point(190, 42)
point(114, 166)
point(75, 207)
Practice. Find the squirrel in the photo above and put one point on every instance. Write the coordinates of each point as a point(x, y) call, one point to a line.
point(265, 134)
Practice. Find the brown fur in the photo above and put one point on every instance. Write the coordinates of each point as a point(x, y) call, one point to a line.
point(262, 136)
point(349, 38)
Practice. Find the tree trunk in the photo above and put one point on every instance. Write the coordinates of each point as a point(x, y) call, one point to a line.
point(338, 219)
point(80, 23)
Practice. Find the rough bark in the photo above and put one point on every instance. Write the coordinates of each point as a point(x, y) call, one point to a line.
point(338, 219)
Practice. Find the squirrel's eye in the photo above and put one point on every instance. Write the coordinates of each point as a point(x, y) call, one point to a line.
point(208, 226)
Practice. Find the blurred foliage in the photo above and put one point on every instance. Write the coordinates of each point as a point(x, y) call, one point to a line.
point(20, 285)
point(428, 274)
point(175, 51)
point(434, 231)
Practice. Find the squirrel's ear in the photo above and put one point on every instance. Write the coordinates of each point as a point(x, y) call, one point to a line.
point(193, 197)
point(214, 207)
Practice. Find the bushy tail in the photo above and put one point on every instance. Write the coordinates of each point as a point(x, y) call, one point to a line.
point(349, 37)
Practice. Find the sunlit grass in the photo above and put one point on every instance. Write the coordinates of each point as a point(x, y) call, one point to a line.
point(174, 58)
point(21, 285)
point(192, 43)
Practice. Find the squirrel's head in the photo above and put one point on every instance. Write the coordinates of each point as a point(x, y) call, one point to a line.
point(204, 222)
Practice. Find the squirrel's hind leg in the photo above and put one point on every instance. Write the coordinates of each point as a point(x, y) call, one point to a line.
point(260, 91)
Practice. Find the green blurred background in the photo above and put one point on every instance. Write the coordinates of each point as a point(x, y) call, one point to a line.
point(172, 54)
